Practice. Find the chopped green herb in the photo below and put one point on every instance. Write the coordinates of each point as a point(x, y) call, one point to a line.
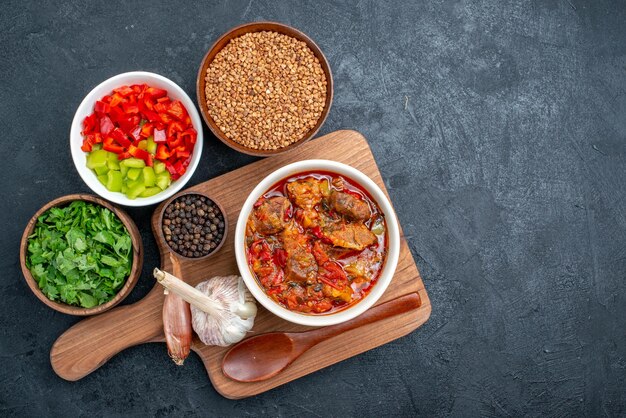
point(80, 255)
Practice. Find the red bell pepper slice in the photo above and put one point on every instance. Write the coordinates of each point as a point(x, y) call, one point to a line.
point(173, 128)
point(159, 136)
point(130, 107)
point(124, 90)
point(317, 231)
point(328, 282)
point(116, 99)
point(116, 114)
point(334, 272)
point(151, 116)
point(166, 119)
point(162, 153)
point(181, 152)
point(189, 137)
point(156, 92)
point(177, 110)
point(89, 123)
point(141, 104)
point(124, 155)
point(109, 145)
point(319, 253)
point(140, 153)
point(146, 129)
point(129, 123)
point(175, 142)
point(179, 167)
point(288, 213)
point(120, 137)
point(88, 143)
point(280, 257)
point(106, 125)
point(160, 107)
point(146, 101)
point(102, 107)
point(173, 173)
point(136, 133)
point(113, 148)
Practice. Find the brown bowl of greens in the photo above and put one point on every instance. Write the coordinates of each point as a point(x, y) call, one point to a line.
point(80, 255)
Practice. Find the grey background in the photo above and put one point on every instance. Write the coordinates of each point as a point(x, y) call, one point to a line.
point(499, 128)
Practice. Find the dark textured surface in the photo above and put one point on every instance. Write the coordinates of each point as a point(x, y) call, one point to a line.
point(500, 130)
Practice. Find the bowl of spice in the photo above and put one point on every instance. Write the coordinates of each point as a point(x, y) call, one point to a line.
point(264, 88)
point(81, 255)
point(192, 225)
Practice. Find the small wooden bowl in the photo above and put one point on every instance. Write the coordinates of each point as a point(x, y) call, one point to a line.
point(259, 27)
point(135, 271)
point(159, 229)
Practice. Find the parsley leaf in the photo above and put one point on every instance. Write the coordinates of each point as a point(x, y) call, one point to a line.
point(80, 254)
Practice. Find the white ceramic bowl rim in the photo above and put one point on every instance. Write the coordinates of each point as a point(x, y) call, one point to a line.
point(390, 263)
point(86, 107)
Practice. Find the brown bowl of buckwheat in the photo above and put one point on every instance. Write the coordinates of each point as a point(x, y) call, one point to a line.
point(264, 88)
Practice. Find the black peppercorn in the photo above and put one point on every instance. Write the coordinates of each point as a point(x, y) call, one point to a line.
point(193, 226)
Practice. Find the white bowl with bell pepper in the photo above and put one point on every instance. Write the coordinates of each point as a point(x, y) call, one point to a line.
point(136, 139)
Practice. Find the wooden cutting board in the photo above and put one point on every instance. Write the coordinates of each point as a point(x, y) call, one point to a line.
point(90, 343)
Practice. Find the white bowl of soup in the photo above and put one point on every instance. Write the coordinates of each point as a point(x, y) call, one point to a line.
point(317, 242)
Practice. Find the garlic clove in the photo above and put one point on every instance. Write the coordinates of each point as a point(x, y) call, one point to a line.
point(245, 310)
point(247, 305)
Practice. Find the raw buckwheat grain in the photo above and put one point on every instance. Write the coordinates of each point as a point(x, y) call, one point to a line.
point(265, 90)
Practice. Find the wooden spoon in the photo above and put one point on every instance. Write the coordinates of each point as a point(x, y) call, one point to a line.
point(264, 356)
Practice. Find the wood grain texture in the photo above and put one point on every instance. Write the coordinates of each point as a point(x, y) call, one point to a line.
point(88, 344)
point(133, 276)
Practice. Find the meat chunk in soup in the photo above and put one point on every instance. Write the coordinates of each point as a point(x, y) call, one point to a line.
point(305, 193)
point(354, 236)
point(349, 206)
point(300, 264)
point(269, 218)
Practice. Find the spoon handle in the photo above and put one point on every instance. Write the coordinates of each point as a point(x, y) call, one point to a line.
point(385, 310)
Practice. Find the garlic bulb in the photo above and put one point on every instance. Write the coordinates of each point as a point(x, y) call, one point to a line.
point(233, 315)
point(222, 308)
